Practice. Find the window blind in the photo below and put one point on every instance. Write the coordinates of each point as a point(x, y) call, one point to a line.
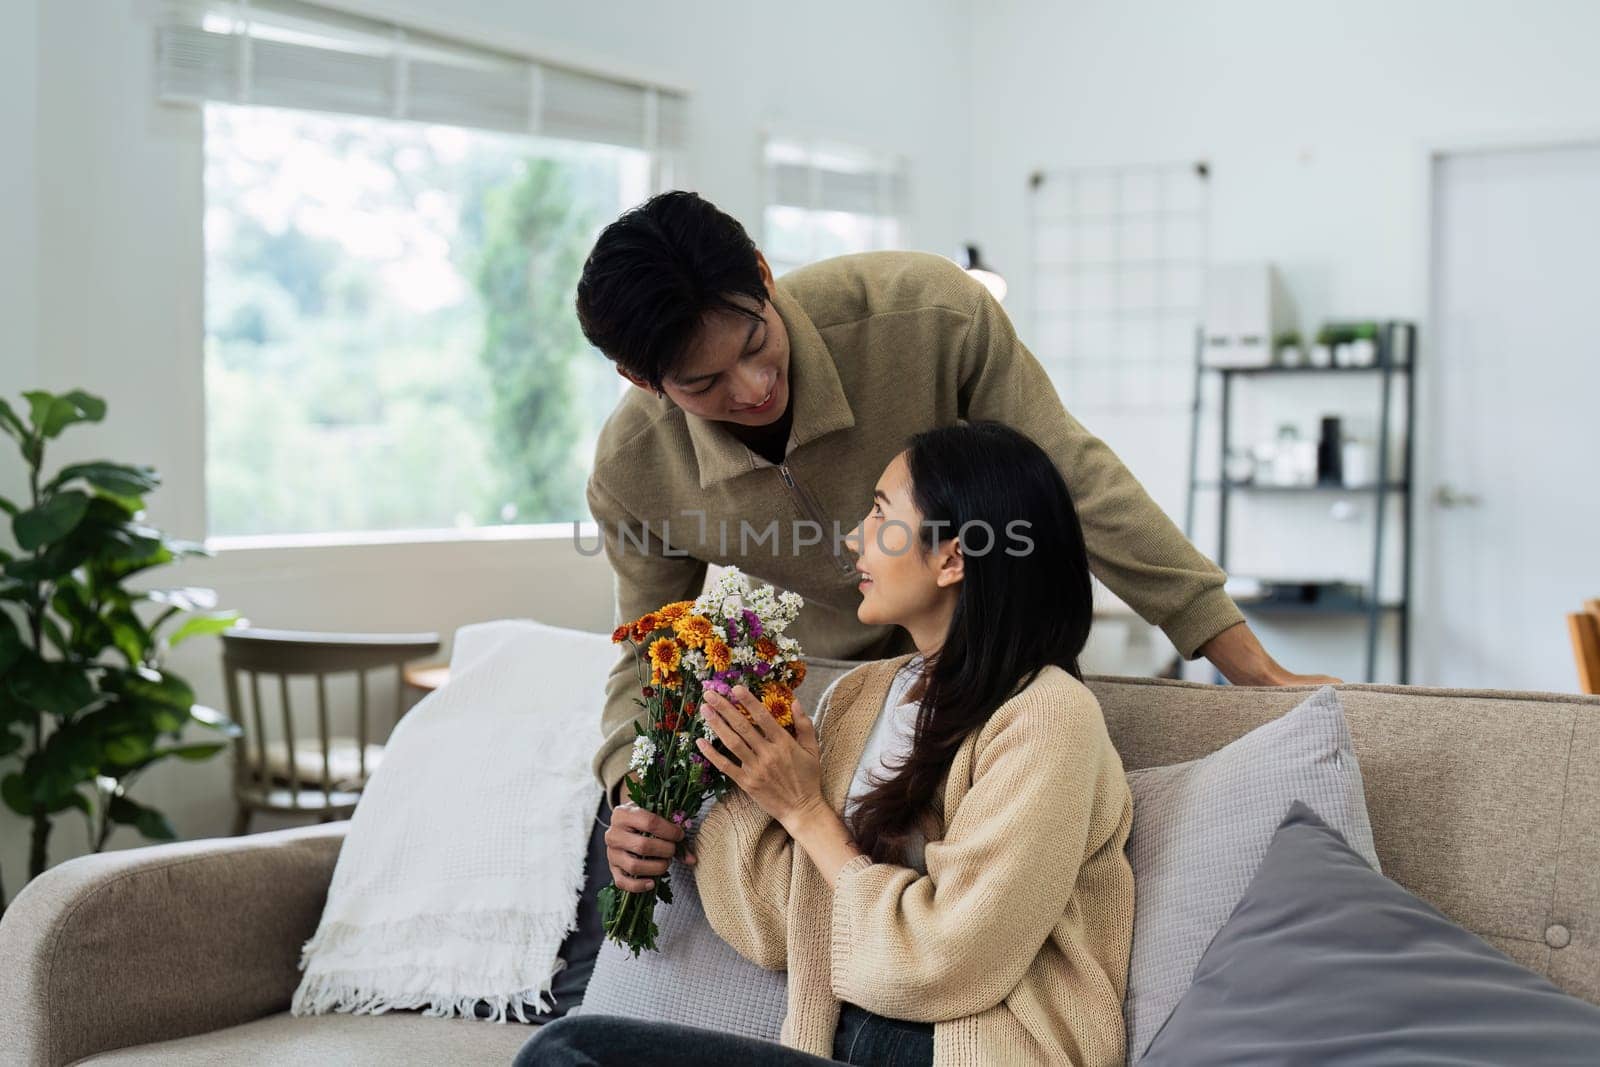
point(818, 177)
point(289, 53)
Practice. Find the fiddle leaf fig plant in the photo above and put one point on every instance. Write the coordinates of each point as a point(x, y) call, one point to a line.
point(86, 705)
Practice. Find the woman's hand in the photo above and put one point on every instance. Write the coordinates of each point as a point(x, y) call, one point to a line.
point(782, 774)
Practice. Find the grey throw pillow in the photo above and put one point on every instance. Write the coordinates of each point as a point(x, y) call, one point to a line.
point(696, 978)
point(1199, 832)
point(1324, 954)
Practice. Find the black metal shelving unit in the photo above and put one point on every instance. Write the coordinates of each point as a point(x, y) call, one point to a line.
point(1393, 338)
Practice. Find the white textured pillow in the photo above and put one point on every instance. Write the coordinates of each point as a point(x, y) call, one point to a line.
point(1200, 830)
point(696, 978)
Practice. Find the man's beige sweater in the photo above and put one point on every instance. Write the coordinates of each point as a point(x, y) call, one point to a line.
point(1014, 944)
point(882, 346)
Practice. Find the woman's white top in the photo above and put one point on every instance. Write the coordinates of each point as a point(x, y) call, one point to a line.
point(890, 742)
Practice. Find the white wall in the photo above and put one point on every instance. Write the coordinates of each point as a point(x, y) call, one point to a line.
point(18, 237)
point(114, 267)
point(1316, 118)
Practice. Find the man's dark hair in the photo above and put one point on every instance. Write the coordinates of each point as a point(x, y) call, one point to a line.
point(655, 273)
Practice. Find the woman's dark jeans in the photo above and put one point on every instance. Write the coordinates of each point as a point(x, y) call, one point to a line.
point(603, 1040)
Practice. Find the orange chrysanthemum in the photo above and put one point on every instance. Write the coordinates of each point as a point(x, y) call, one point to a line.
point(674, 611)
point(693, 630)
point(767, 649)
point(778, 698)
point(797, 672)
point(718, 654)
point(665, 654)
point(643, 626)
point(621, 633)
point(666, 680)
point(784, 718)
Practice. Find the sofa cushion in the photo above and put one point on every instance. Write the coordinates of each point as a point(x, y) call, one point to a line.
point(393, 1039)
point(1200, 829)
point(1323, 953)
point(694, 978)
point(1505, 844)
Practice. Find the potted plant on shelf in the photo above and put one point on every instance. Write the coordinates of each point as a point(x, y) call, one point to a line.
point(86, 705)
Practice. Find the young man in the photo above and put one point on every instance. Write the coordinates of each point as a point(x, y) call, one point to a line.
point(762, 399)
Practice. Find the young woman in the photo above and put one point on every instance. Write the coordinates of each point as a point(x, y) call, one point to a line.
point(938, 861)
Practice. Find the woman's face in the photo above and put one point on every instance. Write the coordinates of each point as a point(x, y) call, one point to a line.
point(902, 584)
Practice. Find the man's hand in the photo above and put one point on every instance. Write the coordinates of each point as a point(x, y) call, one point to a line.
point(640, 846)
point(1239, 656)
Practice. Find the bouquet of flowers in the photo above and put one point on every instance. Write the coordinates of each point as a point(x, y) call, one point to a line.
point(730, 636)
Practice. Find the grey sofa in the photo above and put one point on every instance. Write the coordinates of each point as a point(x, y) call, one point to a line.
point(1486, 804)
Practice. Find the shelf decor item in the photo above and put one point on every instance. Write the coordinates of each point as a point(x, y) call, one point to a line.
point(1246, 310)
point(1330, 453)
point(1323, 352)
point(1290, 350)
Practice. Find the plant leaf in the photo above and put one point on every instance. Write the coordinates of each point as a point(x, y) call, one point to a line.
point(149, 822)
point(193, 752)
point(52, 414)
point(59, 559)
point(122, 480)
point(10, 423)
point(11, 643)
point(14, 791)
point(128, 634)
point(212, 622)
point(59, 689)
point(52, 632)
point(125, 750)
point(164, 689)
point(51, 521)
point(70, 799)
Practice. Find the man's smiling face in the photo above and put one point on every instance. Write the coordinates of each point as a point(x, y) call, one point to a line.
point(737, 367)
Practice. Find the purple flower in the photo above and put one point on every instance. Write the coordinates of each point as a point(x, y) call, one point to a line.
point(718, 685)
point(763, 668)
point(678, 817)
point(753, 623)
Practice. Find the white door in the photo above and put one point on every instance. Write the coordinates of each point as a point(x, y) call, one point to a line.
point(1509, 513)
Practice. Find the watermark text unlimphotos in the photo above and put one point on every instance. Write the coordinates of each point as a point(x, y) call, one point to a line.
point(892, 537)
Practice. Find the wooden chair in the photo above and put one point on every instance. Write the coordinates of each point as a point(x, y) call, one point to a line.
point(1584, 627)
point(321, 775)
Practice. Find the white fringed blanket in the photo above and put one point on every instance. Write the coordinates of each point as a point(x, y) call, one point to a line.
point(460, 875)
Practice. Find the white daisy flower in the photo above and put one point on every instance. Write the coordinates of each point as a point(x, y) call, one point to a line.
point(644, 750)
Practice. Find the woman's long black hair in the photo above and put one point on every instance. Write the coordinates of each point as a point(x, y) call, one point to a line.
point(1020, 606)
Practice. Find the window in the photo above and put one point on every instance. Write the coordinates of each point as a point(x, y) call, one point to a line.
point(394, 227)
point(828, 200)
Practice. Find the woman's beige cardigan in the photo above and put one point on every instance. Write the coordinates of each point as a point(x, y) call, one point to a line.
point(1015, 943)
